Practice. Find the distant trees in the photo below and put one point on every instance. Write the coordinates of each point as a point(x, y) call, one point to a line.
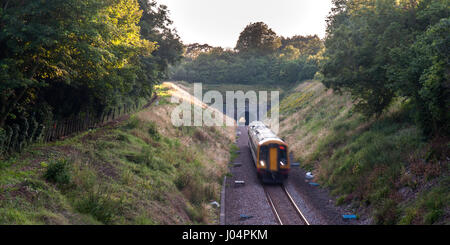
point(258, 38)
point(306, 45)
point(260, 56)
point(194, 50)
point(382, 49)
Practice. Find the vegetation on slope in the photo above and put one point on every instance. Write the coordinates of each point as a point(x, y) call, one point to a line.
point(383, 168)
point(141, 170)
point(63, 59)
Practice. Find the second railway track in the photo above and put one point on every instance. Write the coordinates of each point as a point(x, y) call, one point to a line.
point(284, 207)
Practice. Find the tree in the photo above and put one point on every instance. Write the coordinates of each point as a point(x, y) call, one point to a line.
point(89, 46)
point(421, 72)
point(156, 26)
point(382, 49)
point(356, 52)
point(290, 53)
point(258, 38)
point(306, 45)
point(192, 51)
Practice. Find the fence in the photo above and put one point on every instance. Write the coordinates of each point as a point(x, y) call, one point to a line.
point(15, 137)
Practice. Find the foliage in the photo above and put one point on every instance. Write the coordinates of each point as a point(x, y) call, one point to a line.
point(131, 172)
point(156, 26)
point(63, 58)
point(381, 167)
point(306, 45)
point(421, 73)
point(258, 38)
point(58, 172)
point(383, 49)
point(101, 206)
point(259, 58)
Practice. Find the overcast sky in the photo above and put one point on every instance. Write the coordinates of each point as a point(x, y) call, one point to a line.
point(219, 22)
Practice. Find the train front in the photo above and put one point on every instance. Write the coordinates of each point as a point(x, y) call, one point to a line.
point(274, 165)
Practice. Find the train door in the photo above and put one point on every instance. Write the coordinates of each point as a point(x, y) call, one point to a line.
point(273, 156)
point(277, 157)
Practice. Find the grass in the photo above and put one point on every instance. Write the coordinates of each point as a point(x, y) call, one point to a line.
point(233, 152)
point(367, 163)
point(135, 172)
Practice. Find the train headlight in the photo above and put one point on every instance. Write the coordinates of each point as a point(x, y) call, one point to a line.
point(262, 163)
point(282, 163)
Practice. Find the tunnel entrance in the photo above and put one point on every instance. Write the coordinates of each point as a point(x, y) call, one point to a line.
point(247, 118)
point(245, 113)
point(244, 118)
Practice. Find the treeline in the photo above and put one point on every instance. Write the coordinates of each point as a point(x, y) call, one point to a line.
point(260, 57)
point(383, 50)
point(63, 58)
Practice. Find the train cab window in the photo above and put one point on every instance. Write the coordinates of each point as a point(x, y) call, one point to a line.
point(264, 154)
point(282, 153)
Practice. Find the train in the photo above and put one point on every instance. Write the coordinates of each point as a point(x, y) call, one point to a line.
point(269, 153)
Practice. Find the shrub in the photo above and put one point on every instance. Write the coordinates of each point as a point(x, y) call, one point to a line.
point(194, 213)
point(58, 172)
point(153, 131)
point(132, 123)
point(100, 206)
point(183, 179)
point(387, 213)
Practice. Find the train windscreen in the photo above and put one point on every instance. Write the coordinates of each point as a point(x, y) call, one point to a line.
point(264, 154)
point(282, 153)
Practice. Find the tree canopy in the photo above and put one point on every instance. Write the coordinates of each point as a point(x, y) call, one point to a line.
point(259, 57)
point(383, 49)
point(80, 55)
point(258, 38)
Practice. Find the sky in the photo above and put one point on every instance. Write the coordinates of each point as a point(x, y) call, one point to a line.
point(219, 22)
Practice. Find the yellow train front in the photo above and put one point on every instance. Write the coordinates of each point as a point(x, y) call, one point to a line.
point(269, 153)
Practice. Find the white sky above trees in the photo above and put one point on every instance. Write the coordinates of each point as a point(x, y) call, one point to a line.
point(219, 22)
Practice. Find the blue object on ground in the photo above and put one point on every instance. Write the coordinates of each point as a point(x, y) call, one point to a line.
point(243, 216)
point(313, 184)
point(349, 216)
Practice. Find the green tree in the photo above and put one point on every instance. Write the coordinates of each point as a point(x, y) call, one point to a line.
point(382, 49)
point(156, 26)
point(355, 57)
point(306, 45)
point(421, 72)
point(258, 38)
point(90, 46)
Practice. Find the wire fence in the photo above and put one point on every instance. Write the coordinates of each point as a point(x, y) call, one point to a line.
point(16, 137)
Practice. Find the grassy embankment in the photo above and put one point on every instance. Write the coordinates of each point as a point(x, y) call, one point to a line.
point(141, 170)
point(383, 168)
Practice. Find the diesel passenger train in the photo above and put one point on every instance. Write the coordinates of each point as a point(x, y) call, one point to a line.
point(269, 152)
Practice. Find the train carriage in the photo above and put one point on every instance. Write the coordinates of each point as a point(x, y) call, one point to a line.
point(269, 153)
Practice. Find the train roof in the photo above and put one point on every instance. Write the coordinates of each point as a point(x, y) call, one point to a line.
point(262, 133)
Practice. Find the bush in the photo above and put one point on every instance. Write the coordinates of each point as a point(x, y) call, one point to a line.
point(58, 172)
point(132, 123)
point(153, 131)
point(100, 206)
point(387, 213)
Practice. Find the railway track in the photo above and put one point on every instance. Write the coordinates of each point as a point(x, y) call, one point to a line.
point(283, 206)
